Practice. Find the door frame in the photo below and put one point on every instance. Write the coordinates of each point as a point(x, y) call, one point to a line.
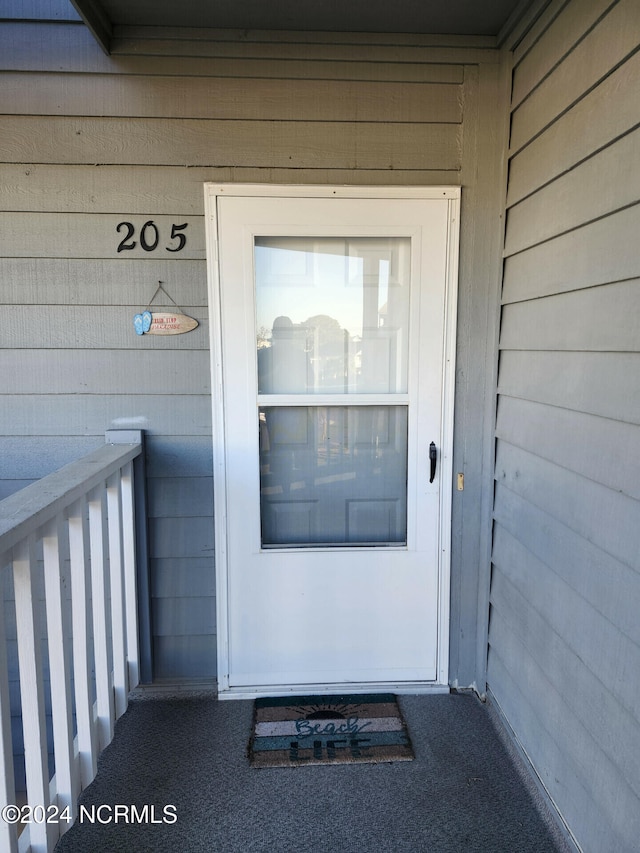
point(450, 195)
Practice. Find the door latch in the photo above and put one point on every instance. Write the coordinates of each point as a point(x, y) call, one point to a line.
point(433, 456)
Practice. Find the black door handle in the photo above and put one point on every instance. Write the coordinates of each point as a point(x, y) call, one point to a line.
point(433, 456)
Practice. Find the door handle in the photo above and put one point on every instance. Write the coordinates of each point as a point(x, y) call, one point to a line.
point(433, 456)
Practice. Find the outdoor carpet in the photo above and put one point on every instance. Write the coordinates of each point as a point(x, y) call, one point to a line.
point(463, 792)
point(292, 730)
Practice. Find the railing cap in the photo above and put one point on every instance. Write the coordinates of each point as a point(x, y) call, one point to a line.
point(28, 509)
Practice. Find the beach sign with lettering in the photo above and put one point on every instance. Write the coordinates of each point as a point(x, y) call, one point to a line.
point(163, 323)
point(171, 323)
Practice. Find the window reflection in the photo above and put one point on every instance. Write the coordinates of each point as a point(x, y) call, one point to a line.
point(332, 315)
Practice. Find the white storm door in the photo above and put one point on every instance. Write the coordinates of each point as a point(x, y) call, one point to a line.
point(334, 352)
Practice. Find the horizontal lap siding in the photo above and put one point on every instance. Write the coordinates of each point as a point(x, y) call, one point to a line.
point(564, 654)
point(228, 99)
point(197, 142)
point(44, 10)
point(90, 141)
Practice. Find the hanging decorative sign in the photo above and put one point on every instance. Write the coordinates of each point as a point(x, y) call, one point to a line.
point(167, 323)
point(163, 322)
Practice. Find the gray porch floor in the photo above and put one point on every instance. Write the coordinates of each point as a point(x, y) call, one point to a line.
point(465, 790)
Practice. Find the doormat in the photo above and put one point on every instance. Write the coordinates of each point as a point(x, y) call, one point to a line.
point(290, 731)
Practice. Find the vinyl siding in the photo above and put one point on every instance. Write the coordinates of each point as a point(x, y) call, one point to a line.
point(564, 643)
point(90, 141)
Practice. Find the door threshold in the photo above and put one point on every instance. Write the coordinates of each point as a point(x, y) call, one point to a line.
point(401, 688)
point(187, 688)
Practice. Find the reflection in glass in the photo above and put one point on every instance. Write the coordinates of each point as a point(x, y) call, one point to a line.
point(333, 475)
point(332, 314)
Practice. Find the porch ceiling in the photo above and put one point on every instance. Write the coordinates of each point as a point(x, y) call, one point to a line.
point(454, 17)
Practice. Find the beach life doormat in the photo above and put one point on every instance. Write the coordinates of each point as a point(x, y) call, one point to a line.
point(290, 731)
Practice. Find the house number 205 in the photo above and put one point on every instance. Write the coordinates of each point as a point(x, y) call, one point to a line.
point(150, 237)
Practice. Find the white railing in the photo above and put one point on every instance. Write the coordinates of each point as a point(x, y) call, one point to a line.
point(75, 527)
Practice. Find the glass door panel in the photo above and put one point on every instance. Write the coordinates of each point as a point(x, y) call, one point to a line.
point(333, 475)
point(332, 318)
point(332, 315)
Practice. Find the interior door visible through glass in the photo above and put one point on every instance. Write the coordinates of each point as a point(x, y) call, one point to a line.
point(332, 318)
point(333, 475)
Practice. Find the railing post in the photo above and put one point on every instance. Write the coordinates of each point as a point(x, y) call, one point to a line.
point(67, 781)
point(127, 484)
point(8, 832)
point(118, 639)
point(144, 668)
point(31, 691)
point(99, 586)
point(79, 561)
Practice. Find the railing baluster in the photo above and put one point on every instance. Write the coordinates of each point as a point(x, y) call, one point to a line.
point(117, 591)
point(78, 555)
point(8, 832)
point(32, 692)
point(67, 783)
point(129, 565)
point(99, 573)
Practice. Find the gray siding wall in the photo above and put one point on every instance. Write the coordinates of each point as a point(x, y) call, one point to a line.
point(89, 141)
point(564, 656)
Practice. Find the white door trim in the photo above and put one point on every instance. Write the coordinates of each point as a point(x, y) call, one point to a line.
point(452, 197)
